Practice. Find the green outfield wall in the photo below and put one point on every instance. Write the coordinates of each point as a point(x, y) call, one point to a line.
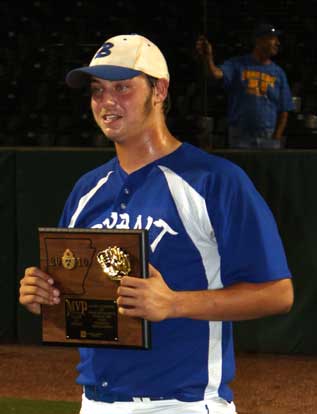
point(34, 186)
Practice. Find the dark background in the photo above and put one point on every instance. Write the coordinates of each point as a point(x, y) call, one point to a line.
point(42, 40)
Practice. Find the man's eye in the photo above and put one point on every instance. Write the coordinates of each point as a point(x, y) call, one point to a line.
point(97, 91)
point(121, 88)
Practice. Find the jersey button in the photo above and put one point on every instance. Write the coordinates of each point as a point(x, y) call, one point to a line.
point(104, 384)
point(126, 191)
point(123, 206)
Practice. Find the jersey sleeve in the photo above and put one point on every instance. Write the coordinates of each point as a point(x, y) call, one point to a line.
point(67, 212)
point(65, 216)
point(71, 204)
point(228, 68)
point(249, 242)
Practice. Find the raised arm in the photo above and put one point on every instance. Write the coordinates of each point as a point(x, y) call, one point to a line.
point(205, 51)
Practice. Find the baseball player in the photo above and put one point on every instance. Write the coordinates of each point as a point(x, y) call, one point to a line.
point(215, 252)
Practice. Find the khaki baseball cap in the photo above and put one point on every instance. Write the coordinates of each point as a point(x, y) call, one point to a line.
point(122, 57)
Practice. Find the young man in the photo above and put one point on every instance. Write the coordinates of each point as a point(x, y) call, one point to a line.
point(259, 96)
point(215, 251)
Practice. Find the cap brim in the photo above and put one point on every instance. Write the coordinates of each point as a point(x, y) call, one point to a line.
point(79, 77)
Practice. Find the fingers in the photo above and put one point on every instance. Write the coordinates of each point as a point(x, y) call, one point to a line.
point(203, 46)
point(36, 288)
point(201, 40)
point(126, 303)
point(138, 297)
point(130, 302)
point(33, 293)
point(131, 312)
point(129, 284)
point(129, 288)
point(129, 295)
point(132, 281)
point(36, 272)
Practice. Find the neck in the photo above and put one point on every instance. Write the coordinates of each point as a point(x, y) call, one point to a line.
point(261, 57)
point(138, 151)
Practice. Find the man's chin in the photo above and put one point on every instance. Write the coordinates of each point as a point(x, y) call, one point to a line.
point(110, 137)
point(114, 138)
point(111, 134)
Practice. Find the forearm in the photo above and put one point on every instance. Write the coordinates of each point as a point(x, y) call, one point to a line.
point(280, 125)
point(214, 70)
point(239, 302)
point(153, 300)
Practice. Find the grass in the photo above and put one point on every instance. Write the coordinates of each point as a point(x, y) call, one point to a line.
point(19, 406)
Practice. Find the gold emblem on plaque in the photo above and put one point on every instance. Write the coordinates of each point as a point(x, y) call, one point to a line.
point(68, 260)
point(114, 262)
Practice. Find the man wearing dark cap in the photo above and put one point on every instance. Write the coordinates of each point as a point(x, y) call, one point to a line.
point(259, 96)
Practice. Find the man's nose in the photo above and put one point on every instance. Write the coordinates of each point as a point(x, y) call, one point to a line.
point(108, 98)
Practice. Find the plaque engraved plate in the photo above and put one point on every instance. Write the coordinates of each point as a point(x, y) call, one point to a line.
point(91, 319)
point(87, 265)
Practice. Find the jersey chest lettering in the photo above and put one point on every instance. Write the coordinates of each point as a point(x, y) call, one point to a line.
point(258, 82)
point(123, 221)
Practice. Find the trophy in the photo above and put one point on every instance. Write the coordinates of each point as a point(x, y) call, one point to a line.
point(87, 265)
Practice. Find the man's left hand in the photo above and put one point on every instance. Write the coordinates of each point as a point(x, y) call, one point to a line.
point(149, 298)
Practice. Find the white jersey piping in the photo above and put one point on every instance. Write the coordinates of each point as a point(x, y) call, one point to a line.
point(193, 213)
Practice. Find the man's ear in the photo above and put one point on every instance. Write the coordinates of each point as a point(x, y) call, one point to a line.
point(161, 90)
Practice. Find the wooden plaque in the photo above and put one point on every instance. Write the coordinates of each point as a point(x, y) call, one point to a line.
point(87, 313)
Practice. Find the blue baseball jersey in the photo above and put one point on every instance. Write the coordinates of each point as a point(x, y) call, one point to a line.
point(208, 228)
point(257, 93)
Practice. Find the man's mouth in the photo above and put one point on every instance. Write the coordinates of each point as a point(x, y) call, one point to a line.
point(110, 118)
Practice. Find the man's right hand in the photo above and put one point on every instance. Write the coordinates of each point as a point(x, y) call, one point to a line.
point(203, 47)
point(36, 289)
point(205, 53)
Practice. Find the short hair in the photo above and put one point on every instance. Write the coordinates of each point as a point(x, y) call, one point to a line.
point(167, 102)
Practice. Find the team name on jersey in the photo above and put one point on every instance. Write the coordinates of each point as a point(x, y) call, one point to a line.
point(258, 82)
point(123, 221)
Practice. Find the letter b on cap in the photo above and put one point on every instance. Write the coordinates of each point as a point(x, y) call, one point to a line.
point(104, 50)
